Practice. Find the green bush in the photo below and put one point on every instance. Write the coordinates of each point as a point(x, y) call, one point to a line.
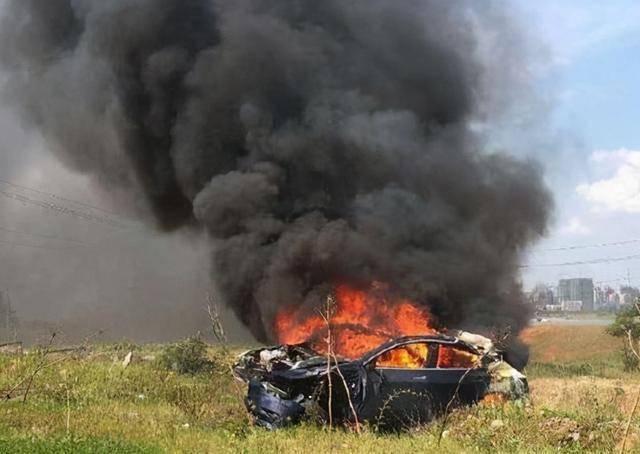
point(627, 327)
point(627, 323)
point(186, 357)
point(629, 360)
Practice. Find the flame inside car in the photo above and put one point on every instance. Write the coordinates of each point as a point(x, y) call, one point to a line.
point(360, 321)
point(406, 380)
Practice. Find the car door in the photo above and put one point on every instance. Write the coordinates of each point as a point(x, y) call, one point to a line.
point(457, 376)
point(412, 382)
point(398, 385)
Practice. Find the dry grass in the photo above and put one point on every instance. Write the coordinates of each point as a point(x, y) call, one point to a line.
point(552, 343)
point(147, 409)
point(576, 392)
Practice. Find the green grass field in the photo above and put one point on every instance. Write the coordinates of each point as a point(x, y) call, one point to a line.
point(580, 401)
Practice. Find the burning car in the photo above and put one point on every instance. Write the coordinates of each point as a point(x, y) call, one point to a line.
point(407, 380)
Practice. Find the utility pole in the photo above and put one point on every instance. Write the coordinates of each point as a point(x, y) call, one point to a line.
point(7, 312)
point(9, 320)
point(12, 318)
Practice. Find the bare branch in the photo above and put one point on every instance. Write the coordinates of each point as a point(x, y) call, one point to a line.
point(346, 388)
point(634, 350)
point(445, 419)
point(634, 343)
point(327, 319)
point(44, 364)
point(326, 315)
point(631, 344)
point(217, 327)
point(626, 431)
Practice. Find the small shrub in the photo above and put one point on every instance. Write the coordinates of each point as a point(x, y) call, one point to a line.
point(627, 323)
point(125, 346)
point(630, 361)
point(186, 357)
point(627, 326)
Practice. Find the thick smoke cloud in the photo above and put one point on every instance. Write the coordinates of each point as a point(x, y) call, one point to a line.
point(315, 142)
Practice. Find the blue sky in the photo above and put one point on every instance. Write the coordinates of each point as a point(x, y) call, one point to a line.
point(593, 71)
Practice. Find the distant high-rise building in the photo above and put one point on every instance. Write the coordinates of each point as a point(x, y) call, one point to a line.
point(629, 294)
point(613, 298)
point(571, 306)
point(541, 296)
point(599, 298)
point(578, 289)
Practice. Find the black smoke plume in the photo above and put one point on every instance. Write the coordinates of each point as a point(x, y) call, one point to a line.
point(316, 142)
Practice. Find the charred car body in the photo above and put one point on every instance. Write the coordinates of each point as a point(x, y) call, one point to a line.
point(404, 381)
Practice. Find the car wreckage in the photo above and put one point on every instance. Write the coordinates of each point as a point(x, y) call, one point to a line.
point(406, 380)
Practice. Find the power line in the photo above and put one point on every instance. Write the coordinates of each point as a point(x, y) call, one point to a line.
point(36, 235)
point(610, 281)
point(583, 262)
point(58, 197)
point(33, 246)
point(79, 214)
point(87, 212)
point(587, 246)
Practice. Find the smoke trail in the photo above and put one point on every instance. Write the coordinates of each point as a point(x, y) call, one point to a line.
point(315, 142)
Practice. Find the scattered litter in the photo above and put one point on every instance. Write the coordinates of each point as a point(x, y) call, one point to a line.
point(497, 424)
point(127, 360)
point(11, 348)
point(574, 436)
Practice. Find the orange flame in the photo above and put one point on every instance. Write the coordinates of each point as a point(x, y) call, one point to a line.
point(360, 321)
point(409, 356)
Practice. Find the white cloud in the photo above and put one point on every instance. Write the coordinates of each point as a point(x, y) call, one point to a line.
point(620, 190)
point(575, 227)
